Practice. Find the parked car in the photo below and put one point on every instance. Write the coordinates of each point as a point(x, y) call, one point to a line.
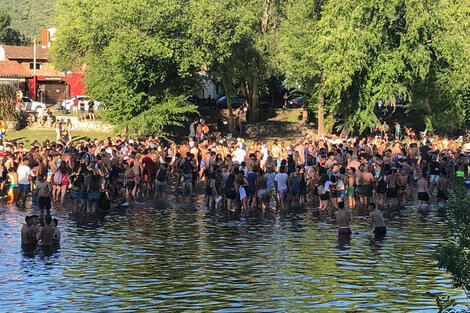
point(68, 103)
point(236, 102)
point(297, 102)
point(31, 105)
point(191, 100)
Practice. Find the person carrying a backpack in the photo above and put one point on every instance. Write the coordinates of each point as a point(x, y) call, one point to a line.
point(61, 181)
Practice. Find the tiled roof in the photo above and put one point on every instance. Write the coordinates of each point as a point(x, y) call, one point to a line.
point(25, 52)
point(13, 69)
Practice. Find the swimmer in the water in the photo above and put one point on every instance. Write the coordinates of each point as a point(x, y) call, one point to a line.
point(376, 218)
point(27, 238)
point(342, 218)
point(46, 233)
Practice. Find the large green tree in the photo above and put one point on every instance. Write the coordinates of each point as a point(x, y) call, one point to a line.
point(350, 54)
point(134, 56)
point(222, 35)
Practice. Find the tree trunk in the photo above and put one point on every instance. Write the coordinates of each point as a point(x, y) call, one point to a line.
point(254, 112)
point(321, 116)
point(249, 100)
point(304, 115)
point(428, 105)
point(345, 131)
point(228, 94)
point(264, 22)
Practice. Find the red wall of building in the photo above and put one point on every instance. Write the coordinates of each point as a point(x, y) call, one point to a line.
point(76, 85)
point(32, 88)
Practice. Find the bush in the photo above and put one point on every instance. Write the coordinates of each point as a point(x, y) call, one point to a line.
point(8, 111)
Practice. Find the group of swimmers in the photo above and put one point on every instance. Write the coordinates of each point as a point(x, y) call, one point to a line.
point(236, 177)
point(44, 232)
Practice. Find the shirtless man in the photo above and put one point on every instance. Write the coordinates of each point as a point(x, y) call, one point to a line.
point(360, 183)
point(423, 191)
point(402, 183)
point(376, 219)
point(414, 156)
point(351, 191)
point(12, 180)
point(56, 237)
point(46, 233)
point(462, 166)
point(392, 186)
point(27, 238)
point(367, 185)
point(443, 186)
point(261, 191)
point(342, 218)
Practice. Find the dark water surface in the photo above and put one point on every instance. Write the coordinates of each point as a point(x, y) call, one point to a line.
point(180, 258)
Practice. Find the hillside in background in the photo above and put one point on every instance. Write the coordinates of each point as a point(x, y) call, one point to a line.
point(29, 16)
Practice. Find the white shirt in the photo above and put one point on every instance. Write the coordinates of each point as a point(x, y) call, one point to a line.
point(265, 152)
point(281, 179)
point(23, 174)
point(239, 155)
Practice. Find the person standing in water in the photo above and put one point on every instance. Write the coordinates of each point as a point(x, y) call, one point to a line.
point(376, 219)
point(27, 238)
point(44, 189)
point(342, 218)
point(423, 191)
point(56, 237)
point(46, 233)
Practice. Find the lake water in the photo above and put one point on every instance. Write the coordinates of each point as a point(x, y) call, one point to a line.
point(181, 258)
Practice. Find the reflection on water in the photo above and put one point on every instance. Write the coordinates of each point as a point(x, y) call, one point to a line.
point(180, 258)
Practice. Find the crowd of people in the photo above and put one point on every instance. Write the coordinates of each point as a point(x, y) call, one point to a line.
point(45, 232)
point(236, 177)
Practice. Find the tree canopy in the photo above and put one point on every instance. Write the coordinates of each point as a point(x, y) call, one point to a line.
point(134, 59)
point(347, 55)
point(352, 54)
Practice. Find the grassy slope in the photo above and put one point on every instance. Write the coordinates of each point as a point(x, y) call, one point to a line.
point(28, 136)
point(30, 16)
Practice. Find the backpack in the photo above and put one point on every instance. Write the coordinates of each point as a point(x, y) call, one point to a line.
point(65, 179)
point(321, 190)
point(187, 166)
point(57, 178)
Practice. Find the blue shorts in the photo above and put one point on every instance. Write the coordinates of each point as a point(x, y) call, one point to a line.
point(161, 185)
point(93, 196)
point(188, 177)
point(282, 192)
point(74, 194)
point(262, 193)
point(24, 187)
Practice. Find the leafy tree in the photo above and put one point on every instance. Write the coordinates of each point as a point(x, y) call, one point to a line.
point(222, 37)
point(260, 60)
point(454, 253)
point(134, 56)
point(351, 54)
point(435, 51)
point(8, 35)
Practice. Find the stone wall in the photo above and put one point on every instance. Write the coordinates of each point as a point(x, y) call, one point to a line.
point(87, 125)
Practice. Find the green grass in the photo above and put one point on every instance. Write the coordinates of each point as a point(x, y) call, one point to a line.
point(288, 115)
point(28, 136)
